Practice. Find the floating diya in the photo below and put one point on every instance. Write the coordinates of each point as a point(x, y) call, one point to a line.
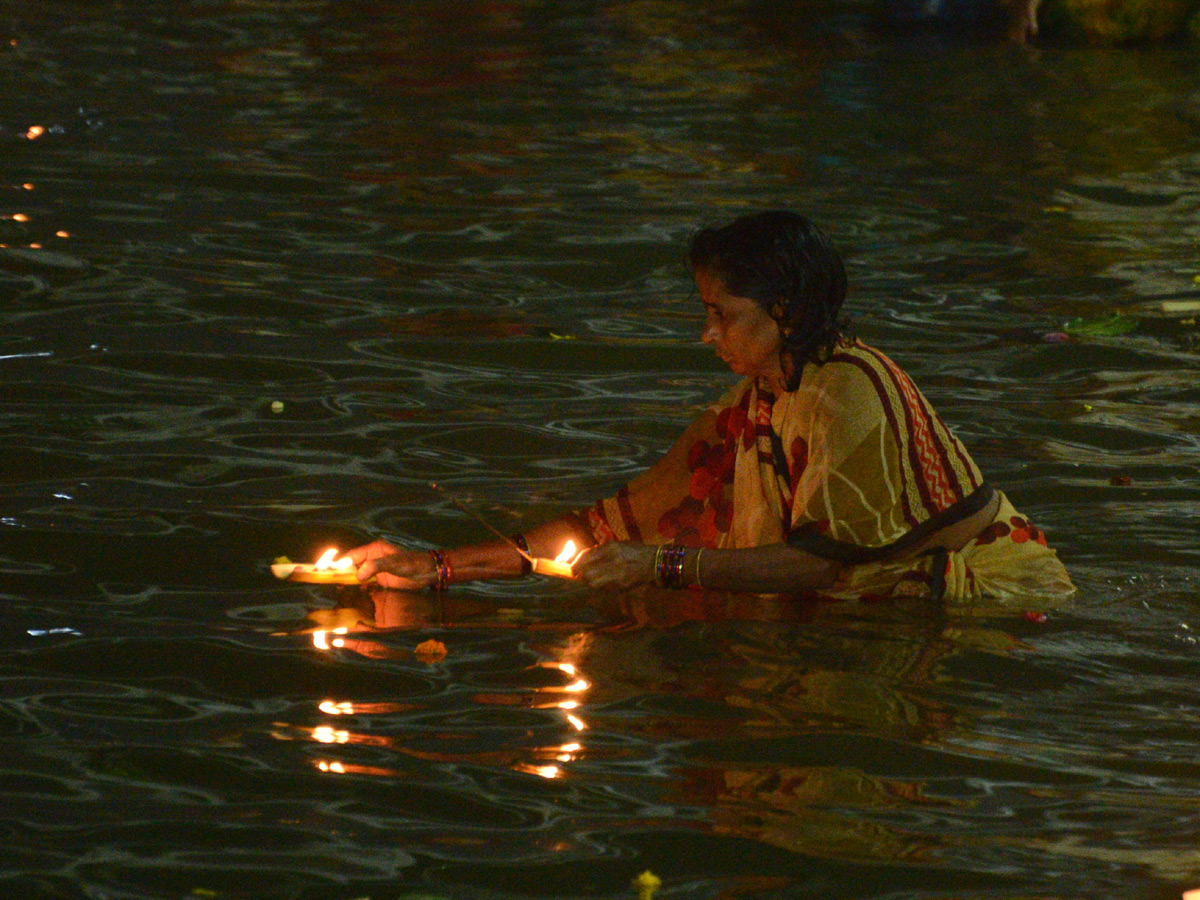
point(560, 566)
point(328, 569)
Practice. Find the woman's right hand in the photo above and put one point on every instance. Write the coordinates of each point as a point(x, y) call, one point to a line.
point(393, 567)
point(617, 565)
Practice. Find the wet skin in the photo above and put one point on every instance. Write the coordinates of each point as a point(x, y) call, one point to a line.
point(740, 331)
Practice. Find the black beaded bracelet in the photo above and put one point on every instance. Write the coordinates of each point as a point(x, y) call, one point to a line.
point(526, 565)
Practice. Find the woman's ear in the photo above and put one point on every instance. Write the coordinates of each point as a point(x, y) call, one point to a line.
point(787, 362)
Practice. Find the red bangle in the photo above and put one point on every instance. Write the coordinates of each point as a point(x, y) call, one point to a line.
point(443, 569)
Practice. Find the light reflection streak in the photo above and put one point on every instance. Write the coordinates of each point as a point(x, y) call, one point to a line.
point(548, 762)
point(336, 767)
point(347, 708)
point(321, 641)
point(326, 735)
point(568, 751)
point(542, 771)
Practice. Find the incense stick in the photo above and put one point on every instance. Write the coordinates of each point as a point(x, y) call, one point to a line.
point(461, 504)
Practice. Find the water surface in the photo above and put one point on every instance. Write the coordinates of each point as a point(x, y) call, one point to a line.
point(449, 240)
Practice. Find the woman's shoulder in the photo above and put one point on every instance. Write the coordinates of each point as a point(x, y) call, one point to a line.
point(855, 379)
point(851, 362)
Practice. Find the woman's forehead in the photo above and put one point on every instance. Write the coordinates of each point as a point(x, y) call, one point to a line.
point(713, 292)
point(712, 286)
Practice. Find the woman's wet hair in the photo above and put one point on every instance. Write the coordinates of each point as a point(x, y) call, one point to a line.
point(789, 267)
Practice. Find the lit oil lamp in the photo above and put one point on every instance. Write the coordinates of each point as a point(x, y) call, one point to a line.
point(560, 566)
point(329, 569)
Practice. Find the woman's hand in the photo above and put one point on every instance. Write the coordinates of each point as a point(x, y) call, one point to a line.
point(618, 565)
point(393, 567)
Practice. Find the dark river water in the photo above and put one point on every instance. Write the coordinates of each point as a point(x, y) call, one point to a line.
point(270, 267)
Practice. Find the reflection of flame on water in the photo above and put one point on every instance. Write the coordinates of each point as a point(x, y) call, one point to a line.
point(578, 686)
point(326, 735)
point(543, 771)
point(334, 767)
point(334, 708)
point(321, 638)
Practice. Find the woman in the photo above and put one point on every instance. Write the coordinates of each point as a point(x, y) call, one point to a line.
point(825, 472)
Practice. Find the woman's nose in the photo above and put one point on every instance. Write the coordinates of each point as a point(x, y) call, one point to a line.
point(708, 334)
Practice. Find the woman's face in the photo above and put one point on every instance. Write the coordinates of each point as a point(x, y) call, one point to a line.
point(740, 330)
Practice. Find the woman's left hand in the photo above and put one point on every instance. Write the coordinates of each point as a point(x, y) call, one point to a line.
point(619, 565)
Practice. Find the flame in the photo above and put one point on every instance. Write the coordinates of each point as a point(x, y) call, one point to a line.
point(577, 723)
point(330, 560)
point(568, 553)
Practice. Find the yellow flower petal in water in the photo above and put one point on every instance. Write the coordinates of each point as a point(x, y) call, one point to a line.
point(647, 883)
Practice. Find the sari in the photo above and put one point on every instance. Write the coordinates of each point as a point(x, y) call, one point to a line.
point(854, 465)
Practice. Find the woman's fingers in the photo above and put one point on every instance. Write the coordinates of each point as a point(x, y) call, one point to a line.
point(370, 551)
point(616, 565)
point(390, 566)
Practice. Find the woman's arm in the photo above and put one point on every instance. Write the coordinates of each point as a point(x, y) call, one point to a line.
point(771, 569)
point(396, 567)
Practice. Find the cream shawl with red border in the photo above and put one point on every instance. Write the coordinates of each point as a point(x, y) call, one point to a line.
point(854, 465)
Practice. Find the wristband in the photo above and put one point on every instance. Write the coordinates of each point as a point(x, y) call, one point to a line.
point(444, 571)
point(668, 565)
point(658, 558)
point(526, 565)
